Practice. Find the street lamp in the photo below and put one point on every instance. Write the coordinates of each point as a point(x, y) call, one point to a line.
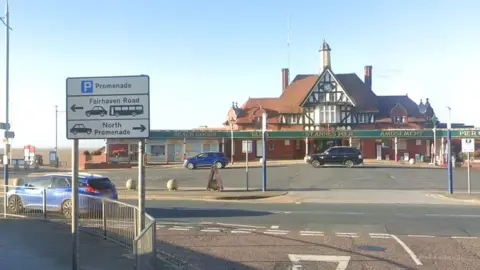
point(449, 151)
point(434, 120)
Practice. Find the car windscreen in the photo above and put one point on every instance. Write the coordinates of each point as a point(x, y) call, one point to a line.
point(100, 183)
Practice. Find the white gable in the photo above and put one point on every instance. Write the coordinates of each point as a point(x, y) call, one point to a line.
point(328, 89)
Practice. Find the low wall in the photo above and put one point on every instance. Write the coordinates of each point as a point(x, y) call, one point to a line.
point(103, 165)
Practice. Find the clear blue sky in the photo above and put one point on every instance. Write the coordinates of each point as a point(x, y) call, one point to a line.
point(202, 55)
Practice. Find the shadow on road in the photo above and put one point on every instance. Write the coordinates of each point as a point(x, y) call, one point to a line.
point(181, 212)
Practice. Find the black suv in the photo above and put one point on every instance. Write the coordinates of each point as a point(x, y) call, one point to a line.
point(337, 155)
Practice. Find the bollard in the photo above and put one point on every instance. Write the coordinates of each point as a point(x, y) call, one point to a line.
point(172, 184)
point(131, 184)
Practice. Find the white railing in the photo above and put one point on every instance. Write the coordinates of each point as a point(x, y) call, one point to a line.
point(109, 219)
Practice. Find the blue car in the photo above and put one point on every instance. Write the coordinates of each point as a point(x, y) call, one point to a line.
point(207, 159)
point(56, 190)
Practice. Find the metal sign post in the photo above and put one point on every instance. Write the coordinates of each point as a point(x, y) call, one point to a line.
point(74, 210)
point(264, 140)
point(468, 146)
point(141, 187)
point(247, 149)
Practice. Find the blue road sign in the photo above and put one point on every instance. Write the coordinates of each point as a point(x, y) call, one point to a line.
point(87, 86)
point(9, 134)
point(5, 126)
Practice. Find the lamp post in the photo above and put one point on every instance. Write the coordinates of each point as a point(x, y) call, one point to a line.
point(449, 151)
point(6, 22)
point(264, 142)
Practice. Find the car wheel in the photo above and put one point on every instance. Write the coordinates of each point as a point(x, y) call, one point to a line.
point(15, 204)
point(219, 165)
point(67, 208)
point(190, 166)
point(89, 131)
point(87, 114)
point(117, 114)
point(133, 114)
point(316, 164)
point(349, 163)
point(102, 114)
point(74, 132)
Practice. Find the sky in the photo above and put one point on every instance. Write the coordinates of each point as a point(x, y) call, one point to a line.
point(202, 55)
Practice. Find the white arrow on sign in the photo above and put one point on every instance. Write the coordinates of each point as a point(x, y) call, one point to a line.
point(296, 258)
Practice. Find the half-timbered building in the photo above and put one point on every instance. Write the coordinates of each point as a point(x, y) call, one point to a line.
point(331, 101)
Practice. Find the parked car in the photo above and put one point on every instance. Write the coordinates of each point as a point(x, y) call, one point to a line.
point(207, 159)
point(56, 190)
point(337, 155)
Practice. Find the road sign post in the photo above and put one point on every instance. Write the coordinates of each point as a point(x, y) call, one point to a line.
point(247, 149)
point(103, 108)
point(468, 146)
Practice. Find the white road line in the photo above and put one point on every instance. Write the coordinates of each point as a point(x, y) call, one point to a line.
point(178, 229)
point(464, 237)
point(279, 233)
point(408, 250)
point(245, 229)
point(380, 237)
point(240, 225)
point(312, 234)
point(274, 227)
point(340, 234)
point(379, 234)
point(160, 226)
point(210, 230)
point(420, 236)
point(241, 231)
point(444, 215)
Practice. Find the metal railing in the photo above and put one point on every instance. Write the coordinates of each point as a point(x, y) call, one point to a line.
point(107, 218)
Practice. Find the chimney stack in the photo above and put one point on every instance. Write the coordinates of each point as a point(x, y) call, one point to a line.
point(285, 78)
point(368, 76)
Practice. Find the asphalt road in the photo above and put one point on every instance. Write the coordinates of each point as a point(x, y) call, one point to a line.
point(213, 235)
point(302, 177)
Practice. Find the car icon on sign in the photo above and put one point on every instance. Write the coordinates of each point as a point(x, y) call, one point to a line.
point(97, 110)
point(80, 128)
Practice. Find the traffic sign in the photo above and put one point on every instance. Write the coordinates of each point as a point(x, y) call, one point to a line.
point(247, 147)
point(468, 145)
point(108, 107)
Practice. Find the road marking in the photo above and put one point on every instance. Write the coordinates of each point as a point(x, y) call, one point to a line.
point(274, 227)
point(241, 225)
point(178, 229)
point(210, 230)
point(420, 236)
point(380, 235)
point(464, 237)
point(444, 215)
point(313, 232)
point(296, 258)
point(240, 231)
point(341, 234)
point(275, 232)
point(408, 250)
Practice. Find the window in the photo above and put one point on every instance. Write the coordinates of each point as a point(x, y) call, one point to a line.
point(418, 142)
point(40, 182)
point(287, 142)
point(401, 144)
point(60, 182)
point(206, 148)
point(297, 146)
point(356, 143)
point(327, 114)
point(361, 118)
point(271, 147)
point(334, 151)
point(157, 150)
point(204, 155)
point(294, 119)
point(399, 119)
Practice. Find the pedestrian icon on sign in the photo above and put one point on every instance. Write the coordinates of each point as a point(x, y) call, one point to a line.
point(87, 87)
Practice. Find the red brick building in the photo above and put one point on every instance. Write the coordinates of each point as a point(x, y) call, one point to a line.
point(330, 101)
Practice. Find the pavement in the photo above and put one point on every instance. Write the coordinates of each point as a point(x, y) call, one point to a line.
point(27, 244)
